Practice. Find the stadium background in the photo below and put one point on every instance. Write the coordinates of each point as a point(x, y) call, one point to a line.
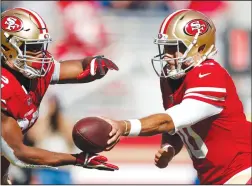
point(124, 32)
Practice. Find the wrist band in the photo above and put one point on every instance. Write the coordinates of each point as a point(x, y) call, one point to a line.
point(135, 127)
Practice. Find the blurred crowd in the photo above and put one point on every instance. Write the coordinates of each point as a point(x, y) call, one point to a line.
point(84, 17)
point(86, 33)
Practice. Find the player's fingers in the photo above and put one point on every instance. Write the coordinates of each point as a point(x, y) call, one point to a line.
point(113, 131)
point(111, 65)
point(156, 159)
point(99, 62)
point(98, 165)
point(161, 151)
point(112, 145)
point(93, 162)
point(111, 166)
point(112, 123)
point(100, 158)
point(104, 168)
point(114, 66)
point(158, 155)
point(112, 140)
point(106, 64)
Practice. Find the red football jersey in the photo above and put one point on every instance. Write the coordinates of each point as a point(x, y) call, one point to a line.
point(219, 146)
point(20, 104)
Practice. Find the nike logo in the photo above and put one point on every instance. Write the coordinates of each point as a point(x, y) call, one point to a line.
point(203, 75)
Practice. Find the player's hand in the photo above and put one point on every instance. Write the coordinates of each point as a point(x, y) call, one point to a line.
point(164, 156)
point(118, 129)
point(94, 161)
point(97, 64)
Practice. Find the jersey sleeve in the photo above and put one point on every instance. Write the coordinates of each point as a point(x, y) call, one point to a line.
point(207, 83)
point(193, 111)
point(56, 73)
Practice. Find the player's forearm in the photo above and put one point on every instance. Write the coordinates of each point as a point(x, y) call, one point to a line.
point(173, 140)
point(152, 125)
point(32, 155)
point(70, 69)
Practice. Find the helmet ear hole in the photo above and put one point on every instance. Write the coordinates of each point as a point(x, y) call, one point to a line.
point(201, 48)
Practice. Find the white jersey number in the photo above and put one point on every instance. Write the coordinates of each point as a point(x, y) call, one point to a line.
point(4, 80)
point(194, 144)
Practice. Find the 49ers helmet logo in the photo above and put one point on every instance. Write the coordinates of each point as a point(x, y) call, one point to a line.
point(192, 27)
point(11, 24)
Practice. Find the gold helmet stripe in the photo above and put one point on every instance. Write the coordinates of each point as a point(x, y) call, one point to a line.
point(168, 19)
point(37, 18)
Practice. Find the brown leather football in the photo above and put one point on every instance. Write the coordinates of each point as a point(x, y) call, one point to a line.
point(91, 134)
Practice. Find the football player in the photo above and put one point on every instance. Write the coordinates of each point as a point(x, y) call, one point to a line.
point(202, 108)
point(27, 70)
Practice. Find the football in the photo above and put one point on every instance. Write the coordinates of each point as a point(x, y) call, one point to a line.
point(91, 134)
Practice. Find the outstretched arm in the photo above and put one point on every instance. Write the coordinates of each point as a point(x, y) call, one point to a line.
point(83, 70)
point(13, 136)
point(185, 114)
point(21, 155)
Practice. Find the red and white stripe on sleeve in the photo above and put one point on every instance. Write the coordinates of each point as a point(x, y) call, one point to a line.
point(212, 95)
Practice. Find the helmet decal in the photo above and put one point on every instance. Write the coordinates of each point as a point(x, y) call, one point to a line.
point(192, 27)
point(11, 24)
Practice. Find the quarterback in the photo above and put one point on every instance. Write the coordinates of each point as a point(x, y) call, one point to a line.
point(202, 108)
point(27, 69)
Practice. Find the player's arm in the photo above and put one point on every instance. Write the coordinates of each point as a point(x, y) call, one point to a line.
point(21, 155)
point(12, 134)
point(187, 113)
point(82, 71)
point(203, 98)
